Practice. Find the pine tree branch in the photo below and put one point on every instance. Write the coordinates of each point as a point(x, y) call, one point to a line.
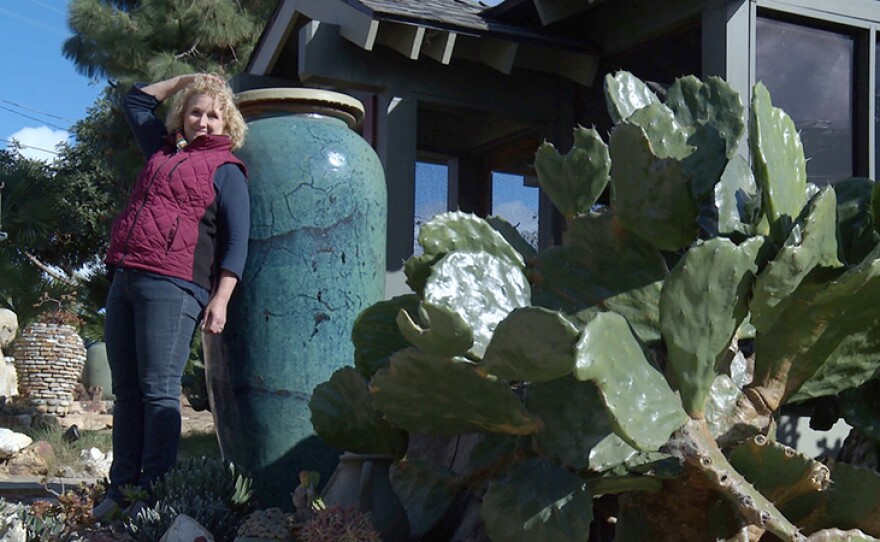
point(49, 271)
point(190, 52)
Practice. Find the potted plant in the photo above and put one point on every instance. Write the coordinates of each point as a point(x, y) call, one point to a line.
point(646, 358)
point(50, 354)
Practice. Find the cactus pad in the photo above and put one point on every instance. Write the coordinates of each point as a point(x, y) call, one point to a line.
point(483, 289)
point(452, 397)
point(532, 344)
point(668, 139)
point(602, 264)
point(821, 317)
point(778, 159)
point(857, 233)
point(852, 501)
point(538, 501)
point(574, 420)
point(610, 453)
point(343, 415)
point(625, 94)
point(575, 180)
point(444, 334)
point(642, 408)
point(703, 302)
point(736, 198)
point(376, 335)
point(512, 236)
point(426, 490)
point(712, 102)
point(650, 196)
point(780, 473)
point(812, 242)
point(457, 231)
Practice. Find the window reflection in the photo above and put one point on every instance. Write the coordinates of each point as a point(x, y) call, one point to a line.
point(516, 203)
point(810, 74)
point(432, 196)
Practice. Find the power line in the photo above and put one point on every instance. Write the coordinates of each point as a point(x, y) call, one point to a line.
point(32, 22)
point(48, 7)
point(13, 111)
point(34, 110)
point(17, 144)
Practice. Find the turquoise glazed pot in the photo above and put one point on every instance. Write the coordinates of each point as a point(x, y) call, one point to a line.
point(96, 370)
point(316, 259)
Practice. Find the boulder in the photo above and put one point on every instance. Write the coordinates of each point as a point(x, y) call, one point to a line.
point(8, 327)
point(11, 442)
point(33, 460)
point(186, 529)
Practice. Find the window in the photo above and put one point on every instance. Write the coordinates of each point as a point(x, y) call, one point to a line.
point(810, 74)
point(432, 196)
point(516, 203)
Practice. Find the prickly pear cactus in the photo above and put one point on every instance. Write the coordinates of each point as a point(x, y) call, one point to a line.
point(648, 354)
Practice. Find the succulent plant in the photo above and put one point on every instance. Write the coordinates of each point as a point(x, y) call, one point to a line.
point(613, 364)
point(209, 490)
point(271, 523)
point(339, 523)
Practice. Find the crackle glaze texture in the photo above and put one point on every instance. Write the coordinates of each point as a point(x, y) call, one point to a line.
point(316, 259)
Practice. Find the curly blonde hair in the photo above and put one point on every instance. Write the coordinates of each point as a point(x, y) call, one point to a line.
point(233, 123)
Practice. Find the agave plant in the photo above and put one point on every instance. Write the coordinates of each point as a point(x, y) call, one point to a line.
point(649, 354)
point(209, 490)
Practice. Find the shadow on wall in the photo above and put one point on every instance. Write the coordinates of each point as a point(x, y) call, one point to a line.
point(795, 431)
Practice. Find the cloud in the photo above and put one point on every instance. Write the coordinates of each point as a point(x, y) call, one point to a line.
point(523, 217)
point(34, 139)
point(428, 210)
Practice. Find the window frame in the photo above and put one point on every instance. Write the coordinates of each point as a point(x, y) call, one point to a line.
point(857, 18)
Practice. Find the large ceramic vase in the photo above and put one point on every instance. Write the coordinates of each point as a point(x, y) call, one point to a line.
point(316, 259)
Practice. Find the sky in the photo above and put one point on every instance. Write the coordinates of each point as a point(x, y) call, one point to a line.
point(41, 94)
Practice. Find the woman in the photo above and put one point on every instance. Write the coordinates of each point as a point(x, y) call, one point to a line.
point(177, 250)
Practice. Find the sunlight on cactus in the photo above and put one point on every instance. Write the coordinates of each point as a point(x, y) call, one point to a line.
point(614, 364)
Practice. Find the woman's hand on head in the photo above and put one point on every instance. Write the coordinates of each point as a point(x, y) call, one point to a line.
point(162, 90)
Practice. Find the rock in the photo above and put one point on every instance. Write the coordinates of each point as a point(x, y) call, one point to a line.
point(186, 529)
point(97, 463)
point(89, 422)
point(8, 377)
point(11, 442)
point(33, 460)
point(8, 327)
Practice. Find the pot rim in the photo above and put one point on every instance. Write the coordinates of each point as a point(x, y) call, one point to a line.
point(326, 102)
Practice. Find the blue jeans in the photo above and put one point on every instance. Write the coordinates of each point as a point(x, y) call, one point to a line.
point(149, 327)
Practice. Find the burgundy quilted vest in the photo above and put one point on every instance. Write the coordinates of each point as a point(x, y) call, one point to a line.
point(161, 227)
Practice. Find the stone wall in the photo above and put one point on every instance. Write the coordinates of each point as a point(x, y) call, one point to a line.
point(49, 360)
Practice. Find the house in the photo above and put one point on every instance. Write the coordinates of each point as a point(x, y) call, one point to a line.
point(459, 94)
